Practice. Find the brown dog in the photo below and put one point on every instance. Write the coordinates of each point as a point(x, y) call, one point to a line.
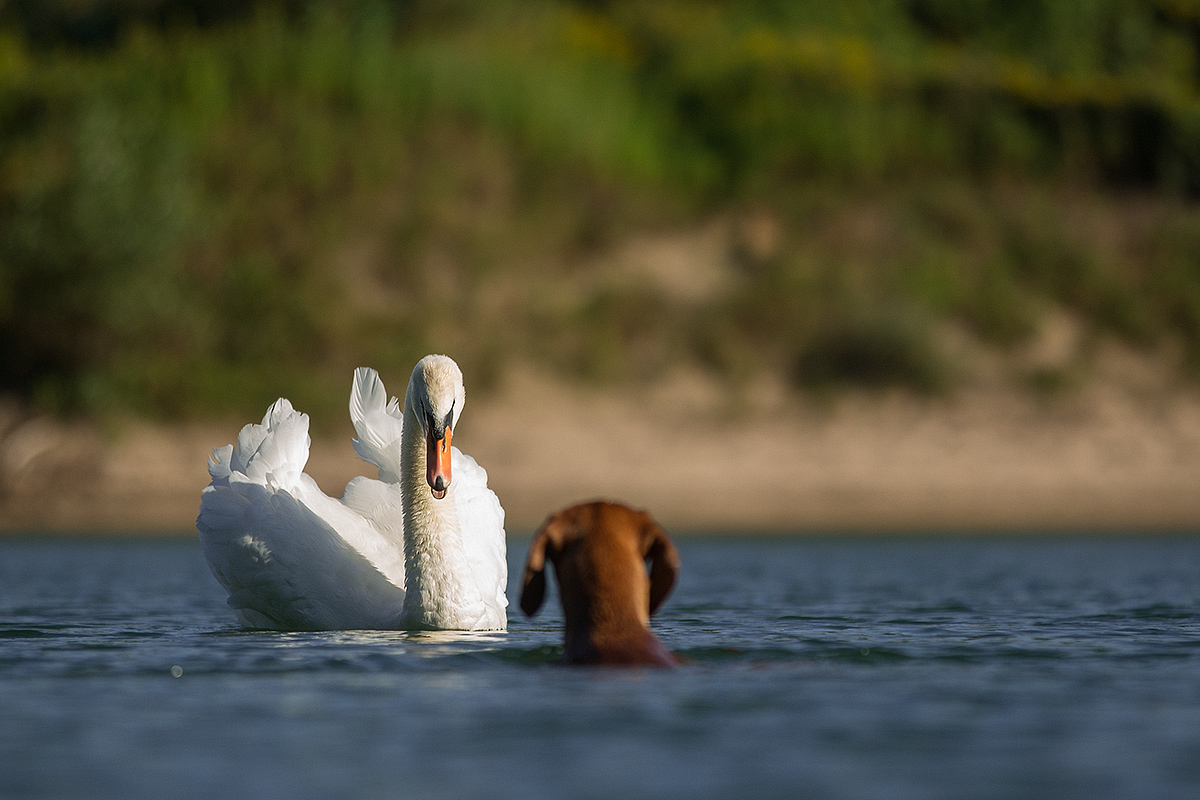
point(599, 551)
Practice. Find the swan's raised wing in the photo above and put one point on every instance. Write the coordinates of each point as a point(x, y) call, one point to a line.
point(289, 556)
point(378, 421)
point(481, 520)
point(285, 567)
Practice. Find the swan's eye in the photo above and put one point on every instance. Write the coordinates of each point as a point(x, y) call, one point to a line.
point(433, 427)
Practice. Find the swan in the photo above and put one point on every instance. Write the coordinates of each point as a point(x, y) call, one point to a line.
point(413, 550)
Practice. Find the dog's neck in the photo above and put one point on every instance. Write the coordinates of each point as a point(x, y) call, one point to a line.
point(612, 636)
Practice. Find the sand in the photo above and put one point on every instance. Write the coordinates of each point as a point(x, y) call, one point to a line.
point(702, 456)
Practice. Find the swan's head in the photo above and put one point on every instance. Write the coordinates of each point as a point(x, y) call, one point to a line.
point(437, 393)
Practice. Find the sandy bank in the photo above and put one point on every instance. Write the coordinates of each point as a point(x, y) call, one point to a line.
point(700, 457)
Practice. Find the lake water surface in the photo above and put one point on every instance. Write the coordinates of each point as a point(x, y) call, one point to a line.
point(821, 668)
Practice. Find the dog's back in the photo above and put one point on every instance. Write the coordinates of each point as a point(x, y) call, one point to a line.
point(599, 551)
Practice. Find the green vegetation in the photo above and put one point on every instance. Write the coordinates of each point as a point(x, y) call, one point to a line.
point(206, 205)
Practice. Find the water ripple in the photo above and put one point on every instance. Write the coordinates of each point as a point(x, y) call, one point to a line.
point(1033, 668)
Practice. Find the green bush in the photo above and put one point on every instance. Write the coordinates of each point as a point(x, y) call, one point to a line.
point(206, 205)
point(872, 353)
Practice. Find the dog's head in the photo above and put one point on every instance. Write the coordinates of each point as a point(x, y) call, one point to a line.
point(567, 529)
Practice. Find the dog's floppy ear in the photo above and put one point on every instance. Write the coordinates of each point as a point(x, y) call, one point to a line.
point(664, 562)
point(533, 585)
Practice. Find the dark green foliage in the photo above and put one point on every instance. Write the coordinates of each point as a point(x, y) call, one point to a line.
point(205, 205)
point(872, 353)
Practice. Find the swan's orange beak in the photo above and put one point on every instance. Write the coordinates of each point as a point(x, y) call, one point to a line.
point(437, 463)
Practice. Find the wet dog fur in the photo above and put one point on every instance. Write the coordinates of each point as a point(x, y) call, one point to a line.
point(599, 551)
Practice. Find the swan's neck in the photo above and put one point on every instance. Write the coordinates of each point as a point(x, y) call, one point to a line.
point(439, 588)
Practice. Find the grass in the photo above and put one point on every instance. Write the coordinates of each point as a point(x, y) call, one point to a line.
point(203, 207)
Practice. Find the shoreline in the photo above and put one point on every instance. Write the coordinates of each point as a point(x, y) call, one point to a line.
point(1104, 459)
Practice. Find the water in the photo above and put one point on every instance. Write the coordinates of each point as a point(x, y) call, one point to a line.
point(840, 668)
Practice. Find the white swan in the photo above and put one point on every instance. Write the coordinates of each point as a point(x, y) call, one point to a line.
point(412, 550)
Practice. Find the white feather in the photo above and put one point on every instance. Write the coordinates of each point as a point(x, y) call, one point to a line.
point(378, 423)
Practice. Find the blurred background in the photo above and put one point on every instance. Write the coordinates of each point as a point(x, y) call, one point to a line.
point(963, 227)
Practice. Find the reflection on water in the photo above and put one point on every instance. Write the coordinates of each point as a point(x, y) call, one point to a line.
point(824, 668)
point(443, 643)
point(427, 644)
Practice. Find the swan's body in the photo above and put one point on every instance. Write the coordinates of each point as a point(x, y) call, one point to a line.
point(412, 550)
